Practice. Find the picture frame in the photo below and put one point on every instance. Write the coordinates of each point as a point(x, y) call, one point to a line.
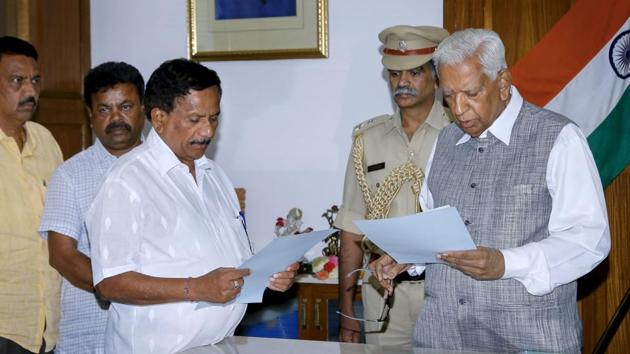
point(220, 31)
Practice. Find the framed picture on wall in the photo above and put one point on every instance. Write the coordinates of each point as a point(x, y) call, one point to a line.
point(257, 29)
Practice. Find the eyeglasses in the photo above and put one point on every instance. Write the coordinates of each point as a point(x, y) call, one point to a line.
point(387, 304)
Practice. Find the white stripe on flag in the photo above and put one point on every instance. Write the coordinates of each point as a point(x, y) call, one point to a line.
point(592, 94)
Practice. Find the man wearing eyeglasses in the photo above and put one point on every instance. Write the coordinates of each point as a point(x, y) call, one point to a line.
point(383, 178)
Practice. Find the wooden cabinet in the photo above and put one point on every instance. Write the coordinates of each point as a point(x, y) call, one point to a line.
point(317, 306)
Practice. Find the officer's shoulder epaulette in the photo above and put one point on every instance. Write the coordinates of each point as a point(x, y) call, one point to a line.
point(370, 123)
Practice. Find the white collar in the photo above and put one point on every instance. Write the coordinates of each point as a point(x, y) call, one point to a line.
point(501, 128)
point(166, 158)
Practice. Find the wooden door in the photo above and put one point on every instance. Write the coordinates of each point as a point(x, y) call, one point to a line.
point(60, 30)
point(521, 24)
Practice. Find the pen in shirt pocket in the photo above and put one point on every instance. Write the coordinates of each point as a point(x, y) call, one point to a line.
point(241, 216)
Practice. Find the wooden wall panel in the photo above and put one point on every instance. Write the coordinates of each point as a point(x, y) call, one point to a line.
point(66, 136)
point(59, 33)
point(602, 290)
point(8, 18)
point(56, 108)
point(463, 14)
point(521, 24)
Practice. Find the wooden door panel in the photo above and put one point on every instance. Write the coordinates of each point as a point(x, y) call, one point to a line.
point(59, 42)
point(61, 33)
point(66, 136)
point(62, 110)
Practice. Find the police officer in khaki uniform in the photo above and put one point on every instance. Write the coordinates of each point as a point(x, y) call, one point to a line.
point(383, 178)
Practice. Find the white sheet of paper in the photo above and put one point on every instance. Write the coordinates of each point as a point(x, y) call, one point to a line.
point(418, 238)
point(274, 258)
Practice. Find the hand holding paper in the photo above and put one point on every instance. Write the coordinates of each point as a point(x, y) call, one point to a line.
point(419, 238)
point(220, 285)
point(482, 264)
point(282, 281)
point(275, 257)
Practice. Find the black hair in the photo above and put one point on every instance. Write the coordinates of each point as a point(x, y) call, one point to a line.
point(108, 75)
point(15, 46)
point(175, 78)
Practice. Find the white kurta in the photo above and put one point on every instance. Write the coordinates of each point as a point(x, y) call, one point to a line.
point(152, 218)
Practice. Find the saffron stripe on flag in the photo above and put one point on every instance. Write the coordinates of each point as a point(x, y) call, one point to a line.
point(558, 57)
point(610, 142)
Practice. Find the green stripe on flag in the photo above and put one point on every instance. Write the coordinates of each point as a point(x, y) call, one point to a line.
point(610, 142)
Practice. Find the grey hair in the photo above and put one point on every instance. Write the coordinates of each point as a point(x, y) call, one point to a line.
point(433, 70)
point(462, 45)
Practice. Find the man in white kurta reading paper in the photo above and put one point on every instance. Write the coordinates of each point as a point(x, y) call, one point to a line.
point(166, 229)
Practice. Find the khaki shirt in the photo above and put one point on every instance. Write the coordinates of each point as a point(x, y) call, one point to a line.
point(385, 142)
point(29, 286)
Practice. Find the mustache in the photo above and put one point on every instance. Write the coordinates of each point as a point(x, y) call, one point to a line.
point(27, 100)
point(405, 91)
point(201, 141)
point(117, 125)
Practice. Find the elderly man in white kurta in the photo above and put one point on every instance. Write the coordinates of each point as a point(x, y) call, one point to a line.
point(165, 227)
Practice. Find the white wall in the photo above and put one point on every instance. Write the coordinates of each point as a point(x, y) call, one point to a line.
point(286, 125)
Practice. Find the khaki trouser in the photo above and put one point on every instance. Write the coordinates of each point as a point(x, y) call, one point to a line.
point(398, 328)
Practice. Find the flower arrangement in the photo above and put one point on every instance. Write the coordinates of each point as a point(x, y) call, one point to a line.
point(325, 267)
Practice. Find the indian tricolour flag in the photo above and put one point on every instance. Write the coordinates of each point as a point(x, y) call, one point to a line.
point(581, 69)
